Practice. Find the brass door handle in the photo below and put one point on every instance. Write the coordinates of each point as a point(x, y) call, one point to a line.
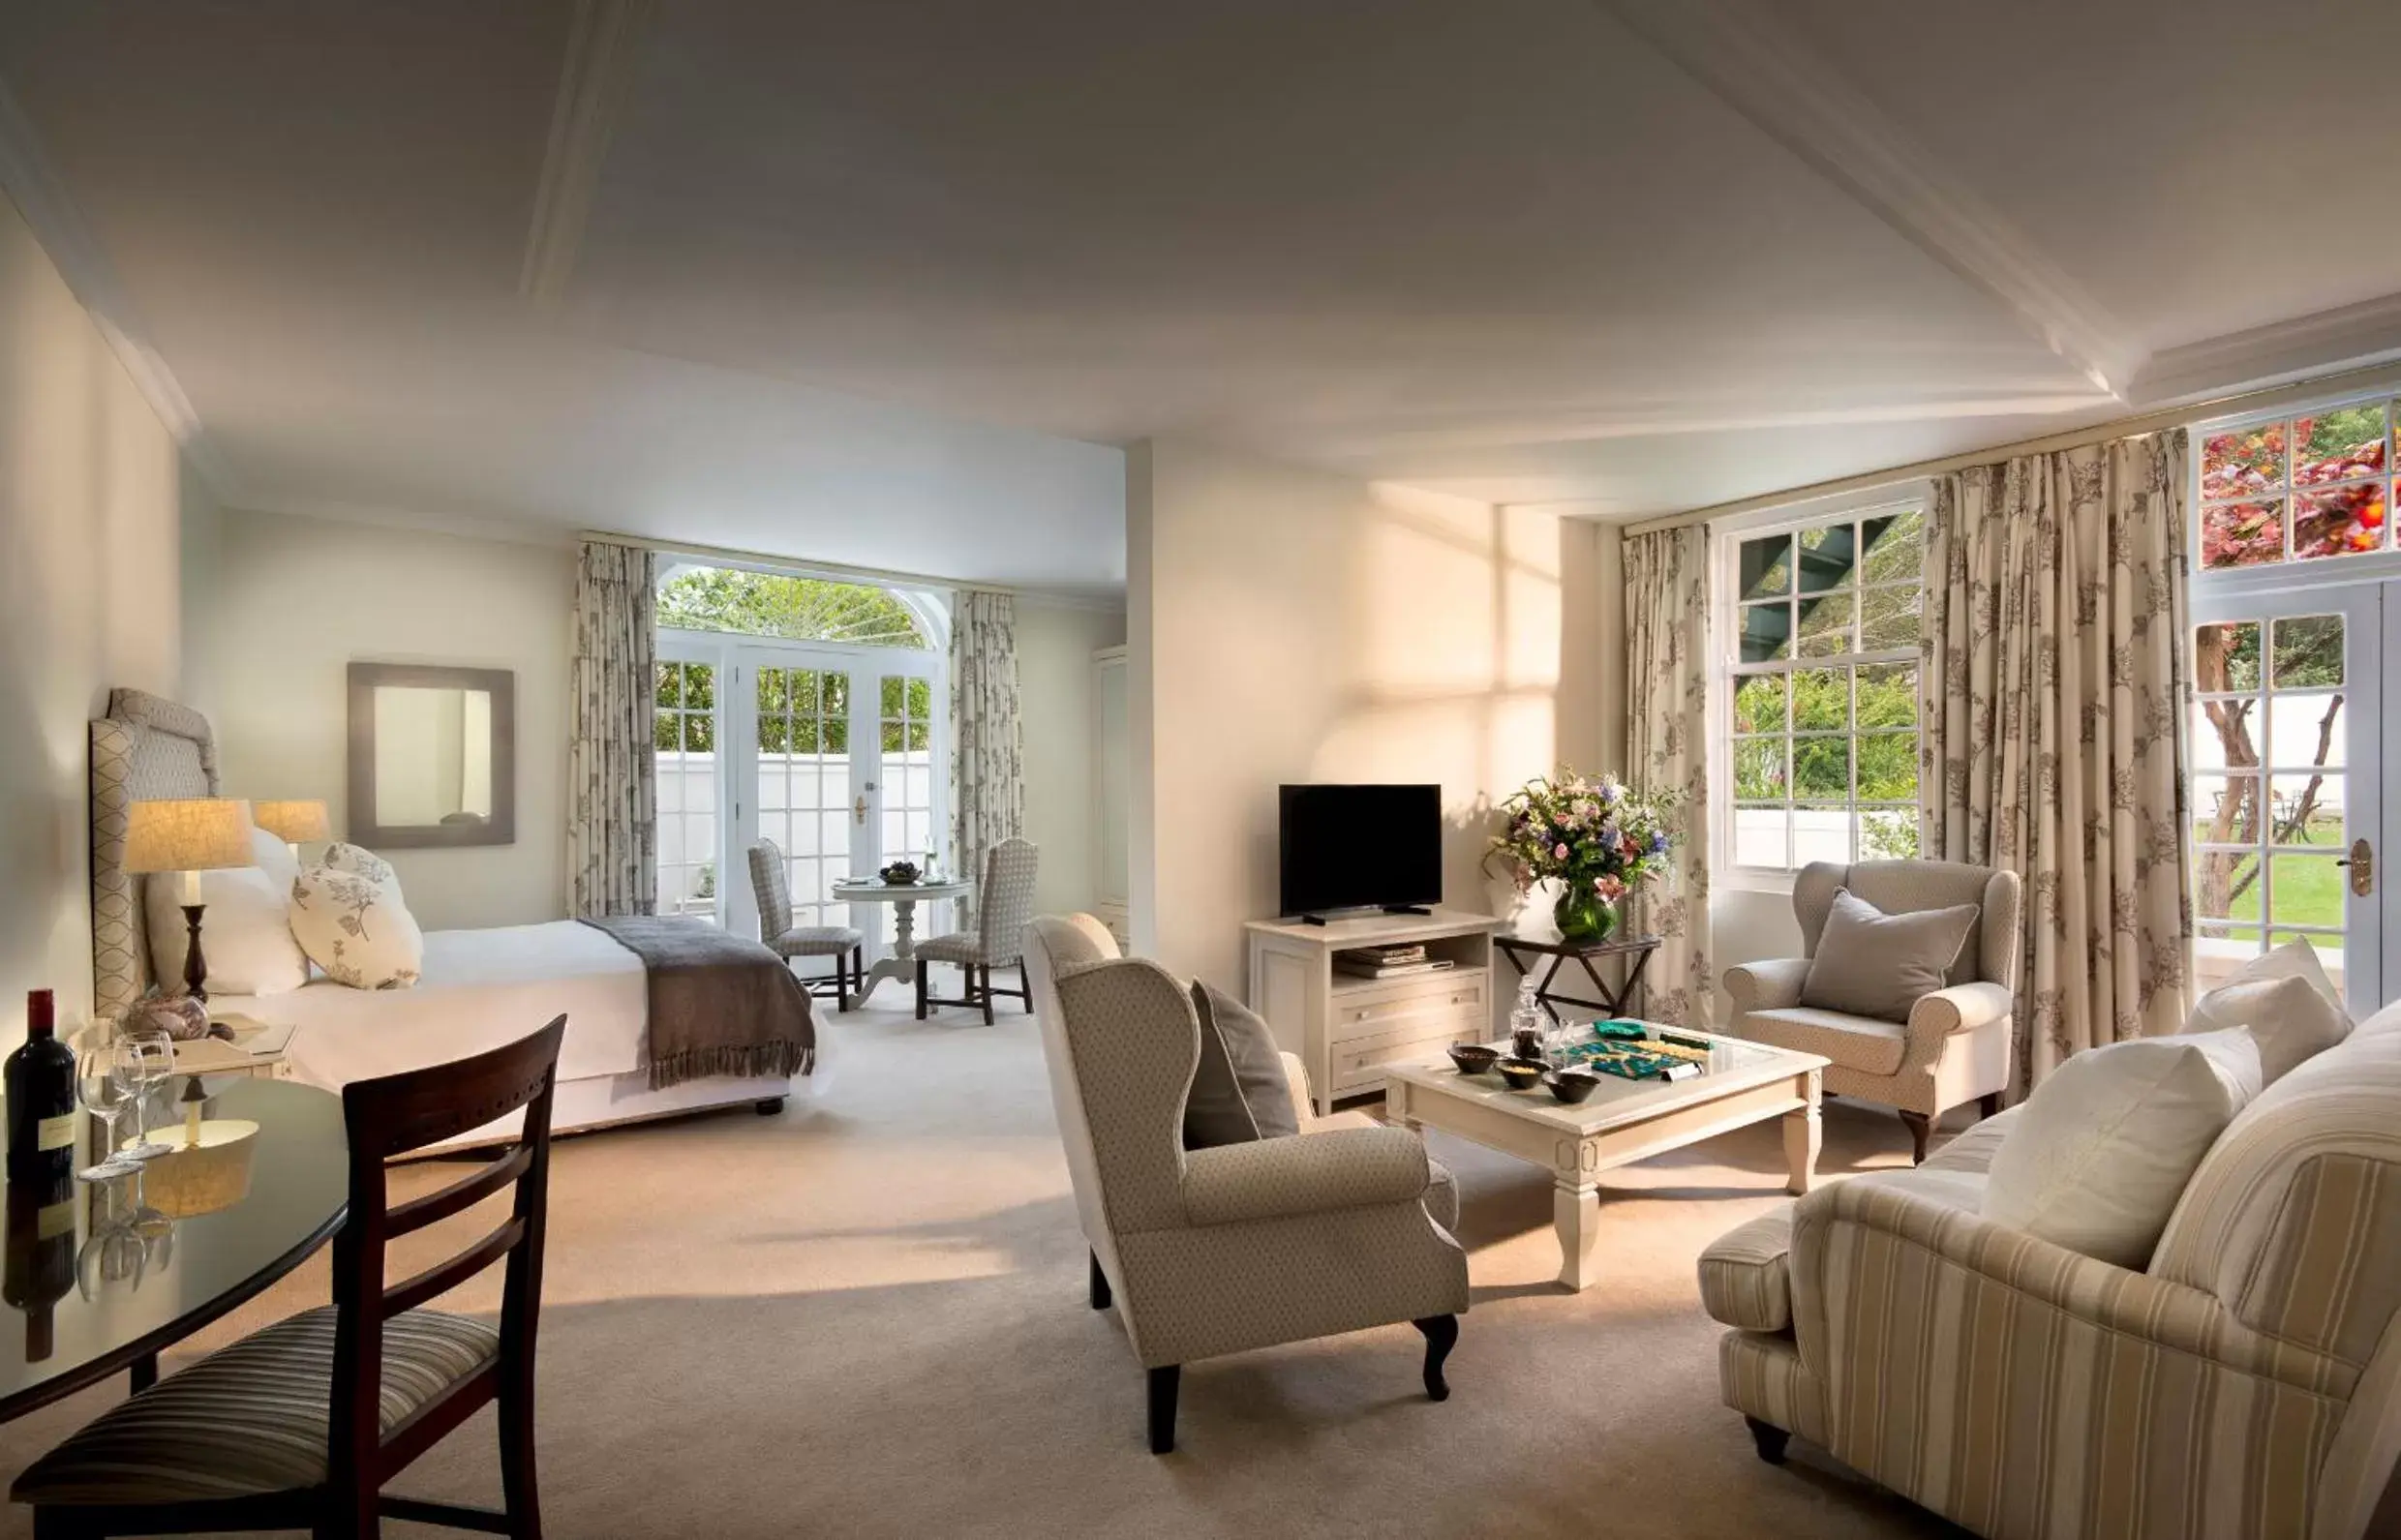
point(2363, 864)
point(861, 811)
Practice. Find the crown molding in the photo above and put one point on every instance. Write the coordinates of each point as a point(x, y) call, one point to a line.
point(31, 181)
point(2303, 347)
point(1758, 68)
point(604, 45)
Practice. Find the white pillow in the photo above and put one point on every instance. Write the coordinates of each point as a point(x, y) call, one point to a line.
point(2099, 1153)
point(2294, 960)
point(2291, 1019)
point(244, 940)
point(355, 927)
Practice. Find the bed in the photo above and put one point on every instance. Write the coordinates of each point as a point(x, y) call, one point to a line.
point(480, 988)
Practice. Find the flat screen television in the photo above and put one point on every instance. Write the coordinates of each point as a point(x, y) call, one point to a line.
point(1359, 847)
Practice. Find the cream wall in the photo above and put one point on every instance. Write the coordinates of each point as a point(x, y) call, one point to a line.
point(296, 600)
point(93, 497)
point(1286, 625)
point(1055, 643)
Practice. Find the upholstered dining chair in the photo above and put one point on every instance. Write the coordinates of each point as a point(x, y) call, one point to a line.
point(300, 1426)
point(1004, 903)
point(1954, 1047)
point(1339, 1227)
point(786, 940)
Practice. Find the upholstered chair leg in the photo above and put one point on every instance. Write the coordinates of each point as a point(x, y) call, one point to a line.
point(1100, 1285)
point(985, 990)
point(1442, 1333)
point(1920, 1125)
point(1988, 1107)
point(1162, 1386)
point(920, 988)
point(1769, 1439)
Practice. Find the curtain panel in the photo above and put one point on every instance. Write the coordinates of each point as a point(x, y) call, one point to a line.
point(1666, 749)
point(2052, 704)
point(612, 763)
point(988, 782)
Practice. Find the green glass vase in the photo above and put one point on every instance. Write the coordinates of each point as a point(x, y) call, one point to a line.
point(1583, 915)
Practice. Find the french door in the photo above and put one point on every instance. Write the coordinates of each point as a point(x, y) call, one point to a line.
point(830, 751)
point(2289, 733)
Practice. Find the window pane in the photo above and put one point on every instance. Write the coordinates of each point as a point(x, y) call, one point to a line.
point(1888, 767)
point(920, 737)
point(1827, 557)
point(2225, 887)
point(2338, 445)
point(700, 686)
point(1888, 697)
point(2235, 465)
point(1820, 833)
point(1759, 836)
point(2309, 650)
point(892, 737)
point(1821, 699)
point(2305, 730)
point(1759, 702)
point(1888, 833)
point(772, 738)
point(921, 700)
point(833, 694)
point(1765, 568)
point(2242, 535)
point(892, 685)
point(2226, 656)
point(666, 733)
point(2226, 809)
point(1826, 624)
point(700, 733)
point(1821, 770)
point(2307, 808)
point(1895, 549)
point(2340, 521)
point(2305, 891)
point(1759, 768)
point(1767, 632)
point(670, 684)
point(804, 690)
point(774, 695)
point(1891, 618)
point(836, 735)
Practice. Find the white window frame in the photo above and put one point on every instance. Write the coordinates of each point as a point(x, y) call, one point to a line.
point(1726, 539)
point(2288, 573)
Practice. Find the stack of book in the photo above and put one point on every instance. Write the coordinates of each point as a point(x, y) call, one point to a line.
point(1391, 961)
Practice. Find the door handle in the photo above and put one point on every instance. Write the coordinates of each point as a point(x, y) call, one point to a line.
point(2363, 864)
point(861, 809)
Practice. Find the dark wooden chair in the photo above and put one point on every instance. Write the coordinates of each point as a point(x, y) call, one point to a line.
point(300, 1426)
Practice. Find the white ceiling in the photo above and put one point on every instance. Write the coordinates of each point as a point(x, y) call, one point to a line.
point(872, 282)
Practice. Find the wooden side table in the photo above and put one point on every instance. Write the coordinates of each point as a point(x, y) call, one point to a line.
point(1525, 954)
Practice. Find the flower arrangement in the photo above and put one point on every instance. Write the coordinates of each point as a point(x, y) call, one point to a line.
point(1598, 838)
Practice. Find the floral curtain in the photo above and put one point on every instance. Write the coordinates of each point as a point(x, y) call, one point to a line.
point(1666, 749)
point(2050, 706)
point(612, 767)
point(988, 785)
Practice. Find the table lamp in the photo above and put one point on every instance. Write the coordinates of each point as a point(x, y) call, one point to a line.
point(294, 822)
point(190, 836)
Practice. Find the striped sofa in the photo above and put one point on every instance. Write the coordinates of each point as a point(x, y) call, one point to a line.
point(2248, 1383)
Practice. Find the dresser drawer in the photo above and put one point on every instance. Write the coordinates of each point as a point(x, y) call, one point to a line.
point(1391, 1007)
point(1360, 1065)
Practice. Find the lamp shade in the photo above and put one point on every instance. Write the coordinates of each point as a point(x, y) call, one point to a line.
point(294, 822)
point(200, 833)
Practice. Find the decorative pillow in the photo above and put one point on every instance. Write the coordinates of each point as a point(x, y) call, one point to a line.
point(359, 861)
point(2294, 960)
point(244, 938)
point(1238, 1090)
point(2291, 1019)
point(356, 928)
point(1869, 963)
point(2099, 1153)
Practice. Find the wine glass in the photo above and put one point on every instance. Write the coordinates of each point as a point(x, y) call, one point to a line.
point(144, 1064)
point(104, 1095)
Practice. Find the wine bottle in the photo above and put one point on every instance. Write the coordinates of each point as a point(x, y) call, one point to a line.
point(39, 1080)
point(41, 1254)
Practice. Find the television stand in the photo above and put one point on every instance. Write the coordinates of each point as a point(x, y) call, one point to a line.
point(1408, 909)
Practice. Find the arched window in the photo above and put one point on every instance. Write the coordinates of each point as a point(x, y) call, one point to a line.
point(794, 609)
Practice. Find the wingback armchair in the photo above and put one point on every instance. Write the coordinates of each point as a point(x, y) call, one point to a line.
point(1219, 1250)
point(1953, 1048)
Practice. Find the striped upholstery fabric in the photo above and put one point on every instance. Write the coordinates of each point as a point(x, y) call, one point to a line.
point(1762, 1374)
point(1004, 908)
point(777, 930)
point(250, 1418)
point(1972, 1150)
point(1745, 1274)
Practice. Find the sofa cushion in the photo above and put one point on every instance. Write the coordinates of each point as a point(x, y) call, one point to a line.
point(1746, 1274)
point(2100, 1152)
point(1868, 964)
point(1855, 1043)
point(1974, 1149)
point(1238, 1088)
point(2290, 1019)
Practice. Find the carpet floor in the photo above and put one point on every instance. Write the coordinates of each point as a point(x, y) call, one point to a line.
point(865, 1318)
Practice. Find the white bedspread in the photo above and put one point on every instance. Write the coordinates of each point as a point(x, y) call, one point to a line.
point(481, 988)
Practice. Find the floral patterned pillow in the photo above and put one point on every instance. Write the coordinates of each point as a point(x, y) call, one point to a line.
point(349, 918)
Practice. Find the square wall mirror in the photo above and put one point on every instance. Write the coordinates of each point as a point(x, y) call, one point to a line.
point(432, 756)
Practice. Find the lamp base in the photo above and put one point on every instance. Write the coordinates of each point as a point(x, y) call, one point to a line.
point(194, 966)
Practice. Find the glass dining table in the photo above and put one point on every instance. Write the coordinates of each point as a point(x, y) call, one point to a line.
point(101, 1276)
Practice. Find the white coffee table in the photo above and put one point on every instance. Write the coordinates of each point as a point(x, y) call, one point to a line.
point(904, 897)
point(1622, 1122)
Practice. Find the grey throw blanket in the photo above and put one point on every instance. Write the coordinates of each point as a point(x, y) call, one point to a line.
point(720, 1005)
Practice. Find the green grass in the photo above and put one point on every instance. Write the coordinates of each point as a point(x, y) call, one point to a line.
point(2307, 892)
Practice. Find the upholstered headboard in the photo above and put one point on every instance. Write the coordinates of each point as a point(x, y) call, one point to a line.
point(145, 749)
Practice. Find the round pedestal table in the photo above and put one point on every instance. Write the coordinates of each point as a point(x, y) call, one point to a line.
point(904, 897)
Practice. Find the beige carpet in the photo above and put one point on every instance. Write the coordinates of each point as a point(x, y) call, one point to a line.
point(866, 1317)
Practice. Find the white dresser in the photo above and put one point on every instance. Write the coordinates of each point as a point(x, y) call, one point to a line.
point(1347, 1029)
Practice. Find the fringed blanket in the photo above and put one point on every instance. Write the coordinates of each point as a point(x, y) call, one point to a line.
point(720, 1005)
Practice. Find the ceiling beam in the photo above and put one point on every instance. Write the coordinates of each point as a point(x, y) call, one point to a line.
point(32, 182)
point(1761, 70)
point(604, 46)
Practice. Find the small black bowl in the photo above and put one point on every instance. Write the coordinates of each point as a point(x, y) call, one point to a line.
point(1473, 1058)
point(1572, 1085)
point(1522, 1074)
